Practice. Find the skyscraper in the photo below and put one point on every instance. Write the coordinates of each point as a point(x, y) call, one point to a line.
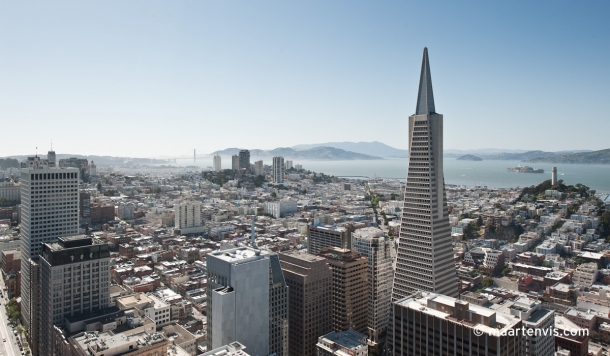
point(247, 301)
point(49, 209)
point(235, 162)
point(319, 237)
point(349, 289)
point(259, 167)
point(75, 280)
point(425, 254)
point(309, 280)
point(373, 244)
point(278, 169)
point(244, 159)
point(217, 163)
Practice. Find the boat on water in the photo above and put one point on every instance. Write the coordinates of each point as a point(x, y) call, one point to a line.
point(525, 169)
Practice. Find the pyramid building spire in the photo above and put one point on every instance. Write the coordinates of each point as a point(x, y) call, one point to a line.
point(425, 97)
point(425, 253)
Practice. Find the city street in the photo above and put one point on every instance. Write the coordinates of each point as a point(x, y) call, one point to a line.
point(8, 347)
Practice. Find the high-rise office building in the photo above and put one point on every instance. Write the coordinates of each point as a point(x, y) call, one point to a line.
point(217, 163)
point(74, 280)
point(433, 324)
point(554, 175)
point(278, 169)
point(375, 245)
point(319, 237)
point(81, 163)
point(49, 209)
point(425, 254)
point(259, 167)
point(235, 162)
point(349, 288)
point(309, 279)
point(244, 159)
point(247, 300)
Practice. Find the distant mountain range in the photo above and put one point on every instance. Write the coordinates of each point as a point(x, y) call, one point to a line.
point(374, 148)
point(378, 150)
point(314, 153)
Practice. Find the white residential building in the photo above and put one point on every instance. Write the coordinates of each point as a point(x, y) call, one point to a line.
point(126, 211)
point(217, 163)
point(188, 217)
point(585, 274)
point(258, 167)
point(235, 162)
point(288, 165)
point(281, 207)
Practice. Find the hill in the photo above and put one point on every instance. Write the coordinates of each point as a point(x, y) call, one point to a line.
point(374, 148)
point(469, 158)
point(591, 157)
point(314, 153)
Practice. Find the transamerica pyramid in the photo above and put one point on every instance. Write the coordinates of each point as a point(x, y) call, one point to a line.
point(425, 254)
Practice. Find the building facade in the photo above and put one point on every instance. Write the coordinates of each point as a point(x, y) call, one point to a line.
point(309, 279)
point(428, 323)
point(319, 237)
point(217, 163)
point(349, 289)
point(244, 160)
point(75, 280)
point(373, 244)
point(245, 301)
point(425, 254)
point(278, 170)
point(259, 167)
point(49, 209)
point(188, 218)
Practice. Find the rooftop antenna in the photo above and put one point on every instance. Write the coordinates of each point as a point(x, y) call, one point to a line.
point(51, 145)
point(36, 151)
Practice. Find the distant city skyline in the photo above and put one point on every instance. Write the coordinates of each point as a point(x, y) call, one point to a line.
point(150, 79)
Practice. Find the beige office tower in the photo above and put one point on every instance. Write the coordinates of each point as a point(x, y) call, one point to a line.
point(310, 282)
point(425, 255)
point(349, 289)
point(375, 245)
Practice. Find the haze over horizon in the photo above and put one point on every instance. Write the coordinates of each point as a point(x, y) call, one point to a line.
point(150, 79)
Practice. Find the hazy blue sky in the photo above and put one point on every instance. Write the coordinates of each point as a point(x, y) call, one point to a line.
point(150, 78)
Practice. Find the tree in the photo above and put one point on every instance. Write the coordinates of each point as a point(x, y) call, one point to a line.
point(546, 264)
point(99, 186)
point(505, 271)
point(487, 282)
point(273, 194)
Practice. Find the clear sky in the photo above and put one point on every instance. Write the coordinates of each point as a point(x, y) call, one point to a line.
point(159, 78)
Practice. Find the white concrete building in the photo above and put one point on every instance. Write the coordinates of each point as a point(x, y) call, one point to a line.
point(288, 165)
point(585, 274)
point(278, 169)
point(281, 207)
point(373, 244)
point(235, 162)
point(189, 218)
point(217, 163)
point(259, 167)
point(10, 191)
